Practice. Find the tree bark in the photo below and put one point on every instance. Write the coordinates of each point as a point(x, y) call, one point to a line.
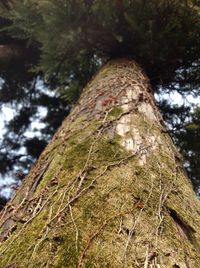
point(10, 52)
point(14, 54)
point(109, 190)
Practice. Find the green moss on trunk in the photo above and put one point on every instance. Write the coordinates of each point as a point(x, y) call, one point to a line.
point(111, 190)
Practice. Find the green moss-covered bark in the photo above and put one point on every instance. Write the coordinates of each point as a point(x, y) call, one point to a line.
point(109, 190)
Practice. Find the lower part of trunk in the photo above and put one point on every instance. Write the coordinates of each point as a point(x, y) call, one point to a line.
point(109, 190)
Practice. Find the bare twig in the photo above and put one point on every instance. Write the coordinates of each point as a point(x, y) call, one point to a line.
point(73, 220)
point(137, 220)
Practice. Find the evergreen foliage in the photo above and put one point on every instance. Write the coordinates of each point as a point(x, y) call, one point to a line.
point(184, 124)
point(70, 39)
point(162, 35)
point(189, 140)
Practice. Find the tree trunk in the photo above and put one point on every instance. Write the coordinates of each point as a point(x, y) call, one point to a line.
point(109, 190)
point(14, 54)
point(11, 52)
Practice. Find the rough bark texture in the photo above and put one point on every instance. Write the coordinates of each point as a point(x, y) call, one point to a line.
point(109, 190)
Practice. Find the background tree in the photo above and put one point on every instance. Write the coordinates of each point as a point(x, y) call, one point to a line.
point(26, 93)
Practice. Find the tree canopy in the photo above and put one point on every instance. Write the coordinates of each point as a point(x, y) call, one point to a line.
point(67, 40)
point(162, 35)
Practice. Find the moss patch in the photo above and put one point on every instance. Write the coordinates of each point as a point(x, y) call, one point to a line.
point(109, 150)
point(22, 248)
point(76, 156)
point(66, 255)
point(115, 112)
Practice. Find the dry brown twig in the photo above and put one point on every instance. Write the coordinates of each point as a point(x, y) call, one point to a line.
point(27, 222)
point(137, 220)
point(74, 223)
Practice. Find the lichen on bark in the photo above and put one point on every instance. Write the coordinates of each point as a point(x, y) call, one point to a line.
point(109, 190)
